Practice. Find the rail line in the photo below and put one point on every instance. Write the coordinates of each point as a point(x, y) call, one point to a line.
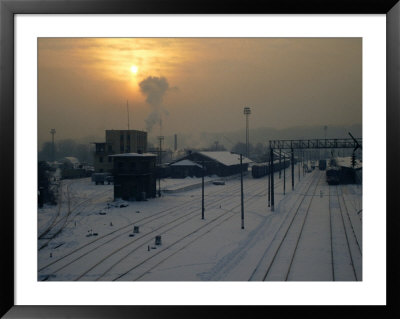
point(219, 220)
point(262, 261)
point(342, 260)
point(188, 217)
point(149, 219)
point(350, 221)
point(146, 219)
point(351, 253)
point(195, 239)
point(301, 230)
point(55, 219)
point(64, 220)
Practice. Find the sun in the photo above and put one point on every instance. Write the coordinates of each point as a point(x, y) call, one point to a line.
point(134, 69)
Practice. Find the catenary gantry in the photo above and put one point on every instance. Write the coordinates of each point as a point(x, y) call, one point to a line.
point(315, 143)
point(292, 145)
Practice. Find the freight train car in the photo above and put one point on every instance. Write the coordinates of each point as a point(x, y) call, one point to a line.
point(333, 175)
point(69, 173)
point(262, 169)
point(322, 165)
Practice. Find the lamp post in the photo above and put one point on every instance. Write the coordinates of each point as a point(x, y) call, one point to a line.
point(52, 132)
point(241, 190)
point(247, 112)
point(160, 139)
point(284, 175)
point(202, 190)
point(272, 178)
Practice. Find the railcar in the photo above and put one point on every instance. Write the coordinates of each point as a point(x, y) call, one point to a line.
point(262, 169)
point(322, 165)
point(333, 175)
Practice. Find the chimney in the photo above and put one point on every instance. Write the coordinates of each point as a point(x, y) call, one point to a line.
point(176, 142)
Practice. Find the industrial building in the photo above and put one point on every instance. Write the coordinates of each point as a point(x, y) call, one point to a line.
point(219, 163)
point(184, 168)
point(117, 142)
point(134, 176)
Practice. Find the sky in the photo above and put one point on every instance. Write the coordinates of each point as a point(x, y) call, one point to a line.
point(192, 85)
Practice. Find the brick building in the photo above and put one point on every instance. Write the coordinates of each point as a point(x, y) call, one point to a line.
point(117, 142)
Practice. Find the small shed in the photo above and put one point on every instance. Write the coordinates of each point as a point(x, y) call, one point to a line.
point(134, 176)
point(184, 168)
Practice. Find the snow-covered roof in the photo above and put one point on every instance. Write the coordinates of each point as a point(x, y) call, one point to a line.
point(72, 160)
point(134, 155)
point(226, 158)
point(185, 162)
point(346, 162)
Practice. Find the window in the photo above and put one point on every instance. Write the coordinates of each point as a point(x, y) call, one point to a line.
point(101, 159)
point(109, 159)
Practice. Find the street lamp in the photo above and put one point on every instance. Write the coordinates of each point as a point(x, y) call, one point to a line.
point(241, 188)
point(52, 132)
point(202, 190)
point(247, 112)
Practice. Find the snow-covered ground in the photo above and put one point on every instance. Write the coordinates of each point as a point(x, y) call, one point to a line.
point(314, 233)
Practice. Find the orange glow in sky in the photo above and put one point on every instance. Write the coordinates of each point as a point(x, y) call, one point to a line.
point(84, 83)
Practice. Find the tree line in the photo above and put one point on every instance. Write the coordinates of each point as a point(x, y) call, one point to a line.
point(65, 148)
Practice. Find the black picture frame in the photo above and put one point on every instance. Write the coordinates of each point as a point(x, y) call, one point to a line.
point(8, 8)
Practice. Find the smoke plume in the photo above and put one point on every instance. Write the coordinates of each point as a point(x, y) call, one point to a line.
point(154, 88)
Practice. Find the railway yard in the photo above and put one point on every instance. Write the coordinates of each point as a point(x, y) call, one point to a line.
point(314, 234)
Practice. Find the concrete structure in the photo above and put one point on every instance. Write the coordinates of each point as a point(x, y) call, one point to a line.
point(134, 176)
point(118, 142)
point(219, 163)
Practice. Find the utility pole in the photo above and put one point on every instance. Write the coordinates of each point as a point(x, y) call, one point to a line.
point(241, 190)
point(284, 175)
point(247, 112)
point(202, 190)
point(272, 177)
point(52, 132)
point(127, 109)
point(160, 138)
point(292, 169)
point(325, 130)
point(269, 183)
point(280, 166)
point(299, 162)
point(175, 142)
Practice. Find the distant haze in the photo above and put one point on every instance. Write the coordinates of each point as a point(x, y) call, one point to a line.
point(195, 85)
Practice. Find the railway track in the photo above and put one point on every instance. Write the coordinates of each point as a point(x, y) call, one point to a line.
point(276, 249)
point(62, 221)
point(123, 229)
point(352, 242)
point(356, 232)
point(178, 244)
point(345, 255)
point(55, 219)
point(343, 268)
point(69, 260)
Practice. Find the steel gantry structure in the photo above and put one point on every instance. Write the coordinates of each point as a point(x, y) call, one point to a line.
point(292, 145)
point(316, 143)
